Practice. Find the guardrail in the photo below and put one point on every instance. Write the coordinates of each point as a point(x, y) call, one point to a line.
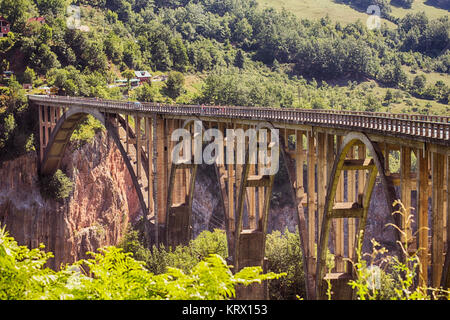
point(413, 125)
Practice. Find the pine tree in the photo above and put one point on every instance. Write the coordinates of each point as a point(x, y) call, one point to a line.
point(239, 60)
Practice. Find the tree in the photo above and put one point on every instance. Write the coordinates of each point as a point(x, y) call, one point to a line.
point(419, 83)
point(411, 20)
point(239, 60)
point(57, 77)
point(94, 57)
point(175, 84)
point(372, 103)
point(45, 33)
point(29, 76)
point(179, 54)
point(161, 56)
point(16, 12)
point(44, 59)
point(146, 92)
point(16, 96)
point(403, 3)
point(54, 7)
point(114, 47)
point(389, 96)
point(243, 31)
point(128, 74)
point(132, 55)
point(6, 43)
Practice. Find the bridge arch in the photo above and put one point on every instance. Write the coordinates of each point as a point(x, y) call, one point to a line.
point(335, 210)
point(60, 137)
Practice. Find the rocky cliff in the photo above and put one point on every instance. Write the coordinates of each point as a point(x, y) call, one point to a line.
point(97, 212)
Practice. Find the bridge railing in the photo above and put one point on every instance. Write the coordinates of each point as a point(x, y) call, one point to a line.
point(430, 126)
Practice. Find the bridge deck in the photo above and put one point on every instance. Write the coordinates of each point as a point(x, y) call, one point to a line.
point(428, 128)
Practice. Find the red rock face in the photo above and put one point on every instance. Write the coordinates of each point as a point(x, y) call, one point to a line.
point(96, 214)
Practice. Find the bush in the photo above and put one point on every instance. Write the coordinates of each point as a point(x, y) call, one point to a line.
point(174, 85)
point(158, 260)
point(57, 186)
point(86, 131)
point(112, 274)
point(390, 277)
point(403, 3)
point(284, 254)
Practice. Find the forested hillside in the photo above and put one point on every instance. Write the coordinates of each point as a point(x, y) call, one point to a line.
point(233, 52)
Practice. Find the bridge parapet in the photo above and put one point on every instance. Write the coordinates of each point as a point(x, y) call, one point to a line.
point(431, 128)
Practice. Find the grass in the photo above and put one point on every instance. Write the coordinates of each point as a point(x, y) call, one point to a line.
point(432, 77)
point(316, 9)
point(193, 86)
point(419, 6)
point(406, 103)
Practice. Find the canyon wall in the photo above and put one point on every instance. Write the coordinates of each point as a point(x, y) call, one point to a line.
point(96, 214)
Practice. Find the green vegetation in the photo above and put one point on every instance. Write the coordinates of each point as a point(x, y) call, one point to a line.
point(174, 85)
point(283, 252)
point(17, 123)
point(196, 271)
point(343, 13)
point(315, 9)
point(86, 131)
point(157, 260)
point(384, 277)
point(315, 54)
point(57, 186)
point(231, 53)
point(201, 38)
point(112, 274)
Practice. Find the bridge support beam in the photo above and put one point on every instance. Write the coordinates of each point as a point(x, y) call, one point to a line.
point(422, 213)
point(446, 271)
point(437, 241)
point(249, 243)
point(48, 118)
point(336, 208)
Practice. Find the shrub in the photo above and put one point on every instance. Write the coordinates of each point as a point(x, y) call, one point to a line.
point(158, 260)
point(174, 84)
point(284, 254)
point(86, 131)
point(112, 274)
point(389, 277)
point(57, 186)
point(20, 268)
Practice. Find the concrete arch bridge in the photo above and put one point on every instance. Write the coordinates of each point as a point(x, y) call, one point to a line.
point(162, 146)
